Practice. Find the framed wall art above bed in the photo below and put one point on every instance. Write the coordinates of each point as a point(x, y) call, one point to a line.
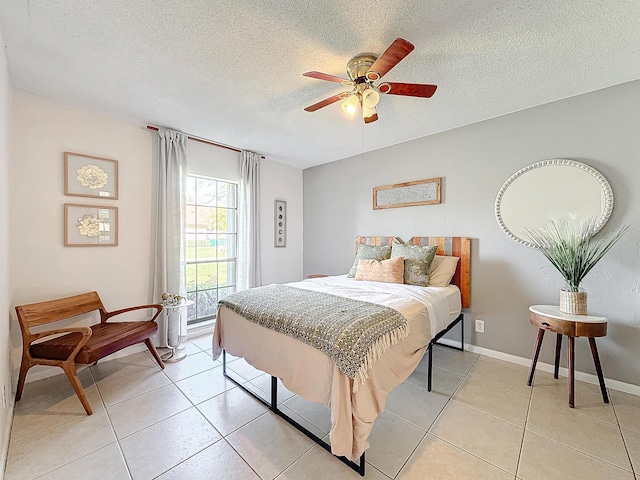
point(407, 194)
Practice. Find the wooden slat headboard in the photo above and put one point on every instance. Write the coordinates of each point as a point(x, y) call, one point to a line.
point(377, 241)
point(449, 246)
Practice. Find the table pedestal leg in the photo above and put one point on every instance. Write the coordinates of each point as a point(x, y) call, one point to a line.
point(536, 353)
point(558, 349)
point(571, 370)
point(596, 361)
point(176, 354)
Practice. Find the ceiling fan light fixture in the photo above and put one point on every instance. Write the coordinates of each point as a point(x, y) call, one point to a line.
point(370, 98)
point(350, 105)
point(363, 70)
point(369, 114)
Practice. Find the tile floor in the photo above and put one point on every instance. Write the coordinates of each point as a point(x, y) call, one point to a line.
point(188, 422)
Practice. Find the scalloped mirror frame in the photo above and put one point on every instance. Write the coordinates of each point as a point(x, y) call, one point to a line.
point(604, 184)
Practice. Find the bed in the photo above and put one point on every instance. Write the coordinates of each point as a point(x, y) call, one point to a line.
point(310, 373)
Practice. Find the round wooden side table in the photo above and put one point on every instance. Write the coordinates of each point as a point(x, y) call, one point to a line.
point(550, 318)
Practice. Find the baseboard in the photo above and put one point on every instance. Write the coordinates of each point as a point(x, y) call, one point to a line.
point(545, 367)
point(6, 433)
point(202, 328)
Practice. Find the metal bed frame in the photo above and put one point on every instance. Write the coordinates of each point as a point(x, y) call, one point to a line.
point(435, 339)
point(273, 406)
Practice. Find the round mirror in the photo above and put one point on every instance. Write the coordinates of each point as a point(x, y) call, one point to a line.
point(552, 190)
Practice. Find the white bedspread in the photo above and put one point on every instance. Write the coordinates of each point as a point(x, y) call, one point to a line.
point(432, 304)
point(312, 375)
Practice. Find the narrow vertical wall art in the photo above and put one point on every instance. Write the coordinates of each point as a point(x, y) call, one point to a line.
point(280, 229)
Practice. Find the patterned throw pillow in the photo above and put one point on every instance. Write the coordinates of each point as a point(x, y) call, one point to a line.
point(387, 271)
point(417, 260)
point(369, 252)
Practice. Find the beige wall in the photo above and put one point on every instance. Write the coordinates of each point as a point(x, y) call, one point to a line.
point(6, 407)
point(42, 268)
point(600, 129)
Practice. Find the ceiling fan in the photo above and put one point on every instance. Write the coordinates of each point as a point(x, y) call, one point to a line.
point(363, 70)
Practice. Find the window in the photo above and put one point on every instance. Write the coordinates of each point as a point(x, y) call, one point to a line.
point(211, 244)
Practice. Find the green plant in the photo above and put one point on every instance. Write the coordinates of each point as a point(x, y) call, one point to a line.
point(572, 250)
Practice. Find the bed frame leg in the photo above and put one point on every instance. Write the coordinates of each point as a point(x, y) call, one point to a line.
point(430, 367)
point(224, 362)
point(274, 394)
point(435, 339)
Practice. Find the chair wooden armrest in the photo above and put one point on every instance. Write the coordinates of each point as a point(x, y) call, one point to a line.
point(104, 315)
point(78, 345)
point(47, 333)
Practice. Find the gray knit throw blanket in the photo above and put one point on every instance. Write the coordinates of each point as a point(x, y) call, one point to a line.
point(353, 333)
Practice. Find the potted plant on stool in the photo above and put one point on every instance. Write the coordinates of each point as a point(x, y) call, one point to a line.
point(573, 250)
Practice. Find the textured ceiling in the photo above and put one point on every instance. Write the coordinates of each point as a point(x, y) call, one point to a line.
point(231, 71)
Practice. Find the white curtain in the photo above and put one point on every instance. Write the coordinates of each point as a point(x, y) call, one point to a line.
point(249, 274)
point(167, 228)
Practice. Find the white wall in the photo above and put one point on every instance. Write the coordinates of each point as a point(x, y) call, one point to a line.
point(5, 285)
point(281, 182)
point(600, 129)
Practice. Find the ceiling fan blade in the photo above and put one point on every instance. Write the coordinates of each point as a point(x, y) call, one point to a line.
point(326, 101)
point(328, 78)
point(408, 89)
point(399, 49)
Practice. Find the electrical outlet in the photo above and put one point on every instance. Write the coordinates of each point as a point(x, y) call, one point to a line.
point(479, 326)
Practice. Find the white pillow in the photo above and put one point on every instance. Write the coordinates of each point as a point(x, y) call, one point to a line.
point(442, 270)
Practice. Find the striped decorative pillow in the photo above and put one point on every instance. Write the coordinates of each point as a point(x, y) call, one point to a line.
point(387, 271)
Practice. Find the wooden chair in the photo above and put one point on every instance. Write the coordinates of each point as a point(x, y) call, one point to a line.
point(83, 345)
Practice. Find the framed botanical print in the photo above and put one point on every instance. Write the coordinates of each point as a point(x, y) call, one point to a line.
point(87, 176)
point(90, 225)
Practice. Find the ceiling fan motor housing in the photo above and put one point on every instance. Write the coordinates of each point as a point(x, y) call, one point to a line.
point(359, 65)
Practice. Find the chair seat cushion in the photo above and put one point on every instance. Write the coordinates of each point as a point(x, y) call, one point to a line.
point(106, 338)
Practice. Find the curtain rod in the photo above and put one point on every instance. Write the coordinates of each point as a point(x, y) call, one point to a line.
point(204, 140)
